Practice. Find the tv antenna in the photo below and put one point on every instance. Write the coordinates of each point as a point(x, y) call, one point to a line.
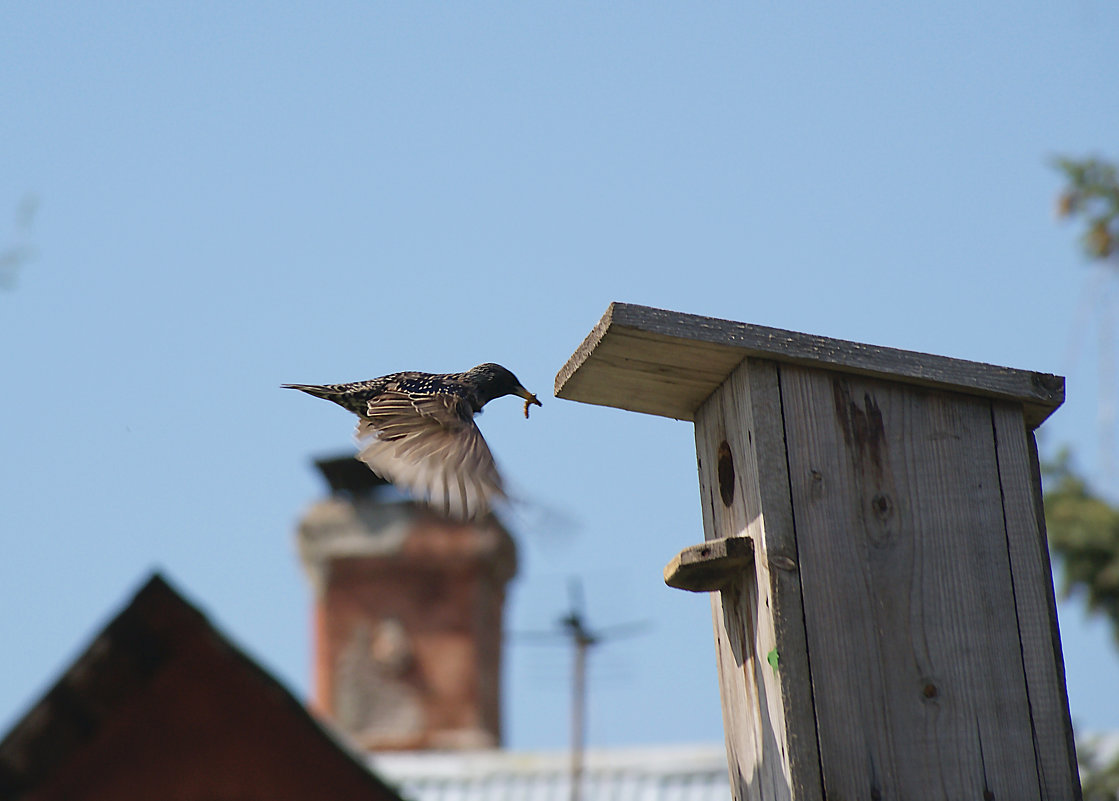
point(575, 629)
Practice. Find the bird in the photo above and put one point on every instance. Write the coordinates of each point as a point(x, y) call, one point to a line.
point(417, 431)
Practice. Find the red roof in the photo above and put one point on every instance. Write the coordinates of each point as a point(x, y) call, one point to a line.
point(162, 705)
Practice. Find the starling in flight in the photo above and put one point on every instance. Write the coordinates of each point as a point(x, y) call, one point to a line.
point(417, 430)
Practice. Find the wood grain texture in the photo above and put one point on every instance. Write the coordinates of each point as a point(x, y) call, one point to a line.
point(912, 636)
point(758, 621)
point(896, 633)
point(710, 566)
point(1035, 602)
point(667, 363)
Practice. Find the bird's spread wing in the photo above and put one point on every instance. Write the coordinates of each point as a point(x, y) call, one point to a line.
point(430, 445)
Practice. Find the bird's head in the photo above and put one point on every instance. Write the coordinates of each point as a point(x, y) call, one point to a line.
point(494, 381)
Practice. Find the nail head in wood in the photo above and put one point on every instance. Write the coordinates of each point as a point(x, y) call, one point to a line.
point(711, 565)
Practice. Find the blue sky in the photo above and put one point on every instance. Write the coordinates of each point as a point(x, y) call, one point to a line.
point(234, 196)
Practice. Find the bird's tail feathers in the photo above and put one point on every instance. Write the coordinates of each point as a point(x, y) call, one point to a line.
point(318, 390)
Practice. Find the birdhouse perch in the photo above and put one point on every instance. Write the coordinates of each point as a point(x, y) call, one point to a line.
point(889, 628)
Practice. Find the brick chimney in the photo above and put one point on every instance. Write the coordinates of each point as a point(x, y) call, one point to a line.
point(407, 616)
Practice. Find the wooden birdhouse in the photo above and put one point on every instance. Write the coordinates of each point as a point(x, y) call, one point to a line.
point(882, 599)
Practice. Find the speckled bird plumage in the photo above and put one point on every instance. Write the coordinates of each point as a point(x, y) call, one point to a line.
point(417, 430)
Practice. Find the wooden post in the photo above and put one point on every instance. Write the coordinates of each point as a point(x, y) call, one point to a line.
point(883, 608)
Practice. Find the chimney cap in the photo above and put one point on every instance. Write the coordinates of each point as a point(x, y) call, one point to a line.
point(347, 476)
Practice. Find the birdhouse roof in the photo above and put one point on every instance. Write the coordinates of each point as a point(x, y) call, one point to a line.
point(668, 363)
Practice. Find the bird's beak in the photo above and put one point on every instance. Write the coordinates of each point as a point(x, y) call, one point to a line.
point(528, 396)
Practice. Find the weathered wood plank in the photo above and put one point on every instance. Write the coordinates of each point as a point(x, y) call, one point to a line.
point(1035, 602)
point(752, 746)
point(915, 661)
point(758, 622)
point(669, 362)
point(779, 562)
point(710, 566)
point(651, 378)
